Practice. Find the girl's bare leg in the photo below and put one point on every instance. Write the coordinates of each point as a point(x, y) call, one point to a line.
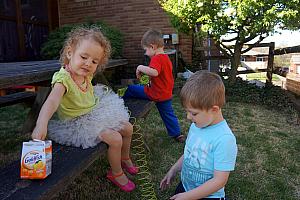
point(126, 132)
point(114, 141)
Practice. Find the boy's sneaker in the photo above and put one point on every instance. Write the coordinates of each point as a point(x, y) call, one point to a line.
point(180, 138)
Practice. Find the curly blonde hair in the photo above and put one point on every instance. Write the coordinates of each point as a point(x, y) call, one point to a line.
point(80, 33)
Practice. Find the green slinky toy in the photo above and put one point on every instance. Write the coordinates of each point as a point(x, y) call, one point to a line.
point(144, 80)
point(121, 91)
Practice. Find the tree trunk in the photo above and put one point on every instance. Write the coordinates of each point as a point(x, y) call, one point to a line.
point(235, 63)
point(270, 65)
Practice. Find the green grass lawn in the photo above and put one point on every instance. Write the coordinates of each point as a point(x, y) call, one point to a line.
point(268, 162)
point(262, 76)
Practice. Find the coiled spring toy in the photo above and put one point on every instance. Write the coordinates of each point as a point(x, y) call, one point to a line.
point(138, 145)
point(144, 175)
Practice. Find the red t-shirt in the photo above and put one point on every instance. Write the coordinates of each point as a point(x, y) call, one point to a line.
point(161, 86)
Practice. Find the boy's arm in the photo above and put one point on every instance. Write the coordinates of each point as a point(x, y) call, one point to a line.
point(48, 109)
point(142, 69)
point(171, 173)
point(211, 186)
point(178, 165)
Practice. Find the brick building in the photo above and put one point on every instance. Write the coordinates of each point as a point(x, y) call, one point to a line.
point(293, 77)
point(26, 24)
point(252, 60)
point(295, 64)
point(131, 17)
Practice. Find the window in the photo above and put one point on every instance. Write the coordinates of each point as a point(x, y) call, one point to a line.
point(259, 59)
point(298, 69)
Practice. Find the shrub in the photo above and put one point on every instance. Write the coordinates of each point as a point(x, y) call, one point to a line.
point(51, 48)
point(273, 97)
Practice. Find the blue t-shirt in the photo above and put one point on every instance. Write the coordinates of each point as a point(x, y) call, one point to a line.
point(208, 149)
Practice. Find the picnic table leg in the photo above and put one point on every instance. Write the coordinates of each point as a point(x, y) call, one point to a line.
point(33, 114)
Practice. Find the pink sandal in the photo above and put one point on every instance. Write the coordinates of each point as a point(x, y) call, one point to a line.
point(128, 187)
point(133, 170)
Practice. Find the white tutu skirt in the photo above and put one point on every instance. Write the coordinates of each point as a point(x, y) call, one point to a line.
point(83, 131)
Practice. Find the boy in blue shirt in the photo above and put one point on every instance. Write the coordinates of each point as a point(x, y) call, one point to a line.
point(210, 150)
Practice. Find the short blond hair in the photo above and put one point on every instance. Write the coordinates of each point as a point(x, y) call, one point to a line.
point(152, 37)
point(203, 90)
point(81, 33)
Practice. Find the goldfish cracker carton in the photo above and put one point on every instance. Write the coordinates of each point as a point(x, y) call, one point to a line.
point(36, 159)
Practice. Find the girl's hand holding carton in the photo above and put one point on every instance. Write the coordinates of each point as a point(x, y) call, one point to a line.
point(39, 133)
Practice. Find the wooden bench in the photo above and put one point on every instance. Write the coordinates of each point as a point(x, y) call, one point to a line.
point(35, 73)
point(67, 163)
point(19, 97)
point(38, 73)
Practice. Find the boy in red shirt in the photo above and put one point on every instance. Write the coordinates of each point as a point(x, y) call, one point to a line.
point(161, 82)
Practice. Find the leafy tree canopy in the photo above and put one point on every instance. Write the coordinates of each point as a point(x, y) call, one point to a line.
point(240, 21)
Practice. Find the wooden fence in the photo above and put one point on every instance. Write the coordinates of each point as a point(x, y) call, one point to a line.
point(271, 53)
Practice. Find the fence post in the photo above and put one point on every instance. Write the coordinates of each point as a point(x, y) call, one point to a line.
point(270, 64)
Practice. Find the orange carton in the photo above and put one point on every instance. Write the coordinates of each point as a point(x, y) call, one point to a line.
point(36, 159)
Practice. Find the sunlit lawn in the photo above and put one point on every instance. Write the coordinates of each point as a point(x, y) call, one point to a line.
point(268, 162)
point(262, 76)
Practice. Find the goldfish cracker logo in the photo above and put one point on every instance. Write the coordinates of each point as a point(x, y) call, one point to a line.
point(33, 165)
point(33, 160)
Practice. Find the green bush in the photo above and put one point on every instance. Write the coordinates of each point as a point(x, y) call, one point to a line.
point(273, 97)
point(51, 48)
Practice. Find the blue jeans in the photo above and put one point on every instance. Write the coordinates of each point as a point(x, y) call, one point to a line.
point(164, 107)
point(180, 189)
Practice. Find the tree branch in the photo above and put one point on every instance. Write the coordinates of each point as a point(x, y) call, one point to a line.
point(248, 39)
point(229, 40)
point(224, 49)
point(261, 38)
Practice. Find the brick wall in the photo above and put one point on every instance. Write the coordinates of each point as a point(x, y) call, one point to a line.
point(131, 17)
point(293, 83)
point(293, 68)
